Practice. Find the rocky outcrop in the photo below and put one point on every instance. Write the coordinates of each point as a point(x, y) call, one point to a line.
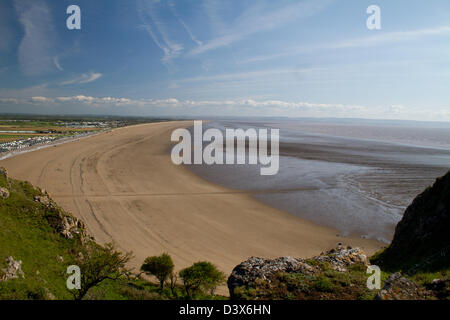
point(398, 287)
point(4, 193)
point(67, 226)
point(13, 270)
point(341, 258)
point(423, 232)
point(63, 223)
point(256, 269)
point(45, 200)
point(249, 271)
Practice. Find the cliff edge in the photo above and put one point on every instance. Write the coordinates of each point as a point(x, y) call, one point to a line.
point(422, 237)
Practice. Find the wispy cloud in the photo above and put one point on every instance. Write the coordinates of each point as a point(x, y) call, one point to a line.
point(57, 64)
point(256, 74)
point(39, 89)
point(35, 49)
point(392, 37)
point(258, 19)
point(174, 11)
point(212, 9)
point(361, 42)
point(156, 28)
point(84, 78)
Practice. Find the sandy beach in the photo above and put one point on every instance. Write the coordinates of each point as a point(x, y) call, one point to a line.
point(123, 184)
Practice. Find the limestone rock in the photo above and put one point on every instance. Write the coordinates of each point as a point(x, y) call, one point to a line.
point(4, 193)
point(45, 200)
point(250, 271)
point(66, 225)
point(13, 269)
point(259, 268)
point(341, 258)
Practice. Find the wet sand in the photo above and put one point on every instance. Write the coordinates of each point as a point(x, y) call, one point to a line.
point(124, 186)
point(354, 177)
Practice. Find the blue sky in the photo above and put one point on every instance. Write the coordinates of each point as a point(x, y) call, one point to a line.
point(303, 58)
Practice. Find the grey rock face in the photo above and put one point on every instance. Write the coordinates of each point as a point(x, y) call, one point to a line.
point(249, 271)
point(65, 225)
point(341, 258)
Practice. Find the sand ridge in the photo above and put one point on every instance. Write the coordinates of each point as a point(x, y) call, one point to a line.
point(123, 184)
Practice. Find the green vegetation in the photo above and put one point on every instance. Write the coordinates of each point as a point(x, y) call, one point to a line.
point(327, 284)
point(29, 233)
point(159, 266)
point(98, 264)
point(201, 278)
point(26, 235)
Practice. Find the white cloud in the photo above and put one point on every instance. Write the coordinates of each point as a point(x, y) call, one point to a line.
point(9, 100)
point(247, 107)
point(84, 78)
point(41, 99)
point(173, 102)
point(35, 48)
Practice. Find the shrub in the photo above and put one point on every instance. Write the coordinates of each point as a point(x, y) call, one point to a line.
point(201, 277)
point(99, 263)
point(159, 266)
point(323, 284)
point(19, 289)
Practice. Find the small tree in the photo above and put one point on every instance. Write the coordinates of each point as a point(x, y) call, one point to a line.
point(173, 281)
point(201, 277)
point(99, 263)
point(159, 266)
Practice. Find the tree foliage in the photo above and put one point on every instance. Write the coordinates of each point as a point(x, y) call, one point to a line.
point(200, 278)
point(159, 266)
point(99, 263)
